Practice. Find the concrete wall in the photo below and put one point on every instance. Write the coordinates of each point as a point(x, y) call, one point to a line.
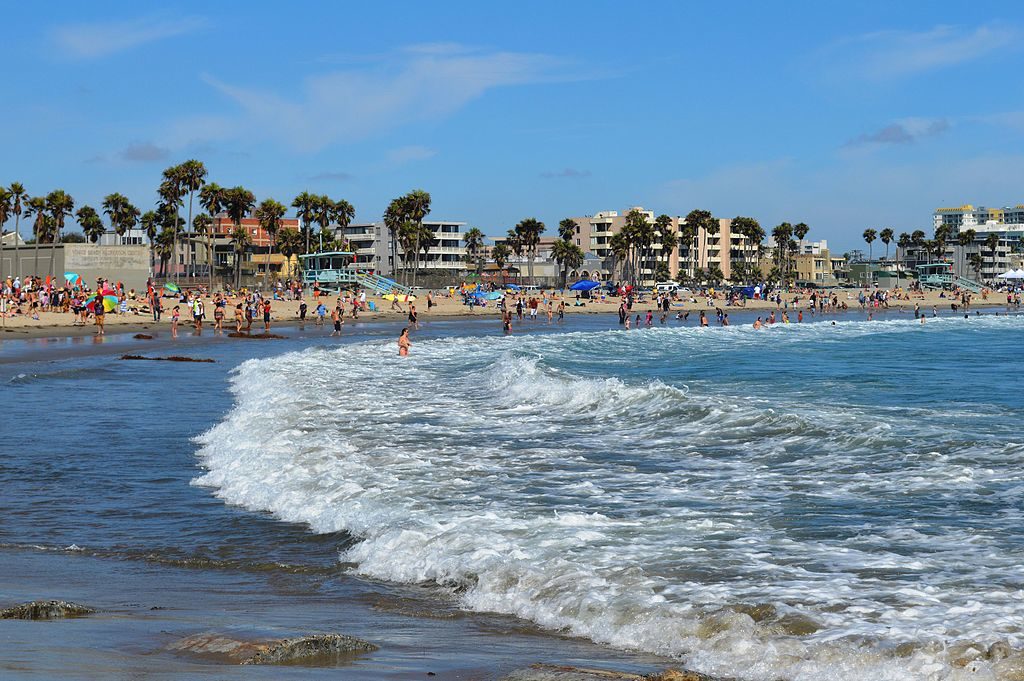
point(129, 264)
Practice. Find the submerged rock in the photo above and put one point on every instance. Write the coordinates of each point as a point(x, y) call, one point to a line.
point(317, 649)
point(45, 610)
point(172, 358)
point(237, 334)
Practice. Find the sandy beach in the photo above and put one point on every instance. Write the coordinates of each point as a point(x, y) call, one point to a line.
point(287, 311)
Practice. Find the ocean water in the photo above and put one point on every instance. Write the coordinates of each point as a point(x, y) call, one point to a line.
point(809, 501)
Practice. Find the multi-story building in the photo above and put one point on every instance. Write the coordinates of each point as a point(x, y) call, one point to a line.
point(133, 237)
point(257, 259)
point(595, 232)
point(969, 216)
point(718, 249)
point(372, 244)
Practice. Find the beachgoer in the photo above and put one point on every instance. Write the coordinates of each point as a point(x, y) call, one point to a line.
point(238, 318)
point(757, 323)
point(302, 312)
point(404, 343)
point(266, 315)
point(413, 317)
point(175, 316)
point(100, 313)
point(338, 317)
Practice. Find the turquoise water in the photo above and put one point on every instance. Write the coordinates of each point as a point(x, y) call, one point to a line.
point(808, 501)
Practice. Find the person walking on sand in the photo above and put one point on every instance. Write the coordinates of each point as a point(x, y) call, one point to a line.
point(395, 305)
point(266, 315)
point(404, 343)
point(238, 318)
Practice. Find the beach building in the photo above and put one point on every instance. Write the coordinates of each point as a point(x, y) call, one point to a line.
point(133, 237)
point(372, 244)
point(719, 249)
point(969, 216)
point(594, 235)
point(127, 264)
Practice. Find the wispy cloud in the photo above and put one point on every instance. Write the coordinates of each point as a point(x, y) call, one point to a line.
point(892, 54)
point(422, 83)
point(907, 131)
point(334, 176)
point(566, 172)
point(411, 153)
point(143, 152)
point(99, 39)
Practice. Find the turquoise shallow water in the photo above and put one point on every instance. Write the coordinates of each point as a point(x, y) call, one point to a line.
point(791, 503)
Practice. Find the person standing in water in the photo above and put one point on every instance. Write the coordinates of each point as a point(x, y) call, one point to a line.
point(413, 317)
point(100, 313)
point(404, 343)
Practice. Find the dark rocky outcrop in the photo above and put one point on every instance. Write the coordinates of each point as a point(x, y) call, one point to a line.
point(316, 649)
point(142, 336)
point(262, 336)
point(45, 610)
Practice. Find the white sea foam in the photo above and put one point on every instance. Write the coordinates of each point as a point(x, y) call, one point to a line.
point(643, 513)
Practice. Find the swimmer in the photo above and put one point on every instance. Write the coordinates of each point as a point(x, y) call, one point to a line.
point(404, 343)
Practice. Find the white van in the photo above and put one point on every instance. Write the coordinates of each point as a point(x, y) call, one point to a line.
point(666, 287)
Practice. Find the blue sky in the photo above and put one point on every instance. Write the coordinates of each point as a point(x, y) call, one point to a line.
point(841, 115)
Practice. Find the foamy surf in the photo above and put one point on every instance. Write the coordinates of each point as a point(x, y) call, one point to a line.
point(662, 499)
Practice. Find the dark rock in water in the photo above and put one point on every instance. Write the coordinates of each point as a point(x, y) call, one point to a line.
point(236, 334)
point(548, 672)
point(172, 358)
point(319, 649)
point(998, 651)
point(308, 648)
point(142, 336)
point(45, 610)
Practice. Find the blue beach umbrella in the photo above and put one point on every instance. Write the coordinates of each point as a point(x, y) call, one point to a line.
point(584, 285)
point(72, 279)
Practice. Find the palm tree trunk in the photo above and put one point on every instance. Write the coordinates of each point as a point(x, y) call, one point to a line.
point(266, 267)
point(192, 242)
point(35, 267)
point(416, 264)
point(209, 253)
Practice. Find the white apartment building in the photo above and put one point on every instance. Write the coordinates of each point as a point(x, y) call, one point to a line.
point(371, 243)
point(969, 216)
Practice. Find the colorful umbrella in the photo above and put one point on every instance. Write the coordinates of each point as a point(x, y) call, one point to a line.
point(172, 287)
point(584, 285)
point(72, 279)
point(109, 303)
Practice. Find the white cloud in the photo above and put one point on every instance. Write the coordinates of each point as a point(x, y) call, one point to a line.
point(410, 153)
point(892, 54)
point(418, 84)
point(99, 39)
point(906, 131)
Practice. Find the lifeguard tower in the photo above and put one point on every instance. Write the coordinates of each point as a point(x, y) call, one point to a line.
point(337, 270)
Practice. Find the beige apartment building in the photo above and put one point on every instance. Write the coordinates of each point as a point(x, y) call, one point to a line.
point(716, 250)
point(594, 234)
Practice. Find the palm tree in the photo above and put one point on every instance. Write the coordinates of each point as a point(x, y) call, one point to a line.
point(269, 214)
point(170, 193)
point(394, 217)
point(782, 234)
point(114, 206)
point(869, 238)
point(514, 242)
point(149, 222)
point(667, 238)
point(61, 206)
point(305, 205)
point(992, 244)
point(90, 222)
point(5, 215)
point(886, 237)
point(751, 229)
point(35, 208)
point(474, 239)
point(18, 197)
point(417, 207)
point(191, 177)
point(697, 221)
point(903, 242)
point(619, 245)
point(211, 198)
point(239, 203)
point(203, 224)
point(164, 246)
point(568, 255)
point(289, 242)
point(529, 231)
point(342, 214)
point(976, 261)
point(800, 230)
point(501, 254)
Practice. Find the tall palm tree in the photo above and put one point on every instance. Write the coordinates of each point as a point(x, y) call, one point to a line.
point(417, 207)
point(239, 203)
point(211, 198)
point(269, 214)
point(992, 244)
point(976, 261)
point(886, 237)
point(800, 230)
point(203, 224)
point(529, 231)
point(150, 222)
point(170, 192)
point(5, 215)
point(501, 254)
point(474, 239)
point(18, 198)
point(394, 217)
point(567, 229)
point(289, 243)
point(164, 246)
point(751, 229)
point(568, 255)
point(514, 242)
point(191, 177)
point(903, 242)
point(698, 222)
point(113, 206)
point(35, 208)
point(342, 214)
point(667, 238)
point(90, 222)
point(61, 206)
point(305, 208)
point(869, 238)
point(782, 234)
